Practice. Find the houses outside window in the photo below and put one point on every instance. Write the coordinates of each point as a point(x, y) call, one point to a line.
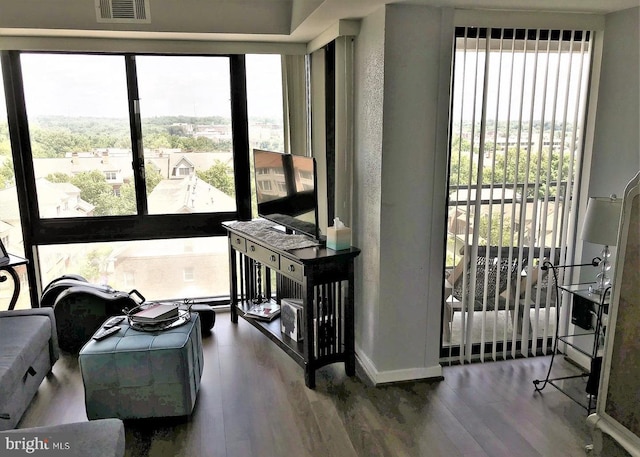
point(184, 124)
point(518, 111)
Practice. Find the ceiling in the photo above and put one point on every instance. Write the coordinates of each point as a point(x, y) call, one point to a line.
point(297, 21)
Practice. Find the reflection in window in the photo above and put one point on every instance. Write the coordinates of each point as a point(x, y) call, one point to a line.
point(158, 269)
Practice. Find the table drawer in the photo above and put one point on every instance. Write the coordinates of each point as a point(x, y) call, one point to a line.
point(292, 269)
point(263, 255)
point(238, 243)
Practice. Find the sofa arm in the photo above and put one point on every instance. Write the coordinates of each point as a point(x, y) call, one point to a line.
point(99, 438)
point(54, 350)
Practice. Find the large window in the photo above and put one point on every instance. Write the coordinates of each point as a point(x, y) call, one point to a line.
point(187, 134)
point(518, 110)
point(80, 139)
point(133, 161)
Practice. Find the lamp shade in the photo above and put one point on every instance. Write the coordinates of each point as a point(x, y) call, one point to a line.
point(602, 220)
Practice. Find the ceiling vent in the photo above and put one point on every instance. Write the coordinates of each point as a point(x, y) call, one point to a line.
point(123, 11)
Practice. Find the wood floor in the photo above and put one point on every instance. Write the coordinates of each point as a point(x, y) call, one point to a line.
point(253, 402)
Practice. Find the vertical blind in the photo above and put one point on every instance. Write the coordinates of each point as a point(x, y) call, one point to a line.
point(518, 105)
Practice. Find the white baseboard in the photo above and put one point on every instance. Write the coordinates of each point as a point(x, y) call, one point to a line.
point(405, 374)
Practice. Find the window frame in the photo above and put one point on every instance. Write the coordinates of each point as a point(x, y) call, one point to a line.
point(38, 231)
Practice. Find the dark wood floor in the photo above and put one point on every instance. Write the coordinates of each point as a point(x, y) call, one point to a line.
point(253, 402)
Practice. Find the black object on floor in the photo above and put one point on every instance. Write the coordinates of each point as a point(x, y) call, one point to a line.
point(207, 317)
point(594, 376)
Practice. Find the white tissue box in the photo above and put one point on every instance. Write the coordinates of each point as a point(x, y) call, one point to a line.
point(338, 239)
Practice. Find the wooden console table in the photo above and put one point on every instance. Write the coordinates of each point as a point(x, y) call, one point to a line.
point(321, 277)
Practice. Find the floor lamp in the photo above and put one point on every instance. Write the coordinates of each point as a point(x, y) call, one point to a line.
point(601, 227)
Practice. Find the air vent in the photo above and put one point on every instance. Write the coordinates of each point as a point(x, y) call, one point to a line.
point(123, 11)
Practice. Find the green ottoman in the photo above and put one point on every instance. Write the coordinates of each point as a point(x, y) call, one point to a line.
point(137, 374)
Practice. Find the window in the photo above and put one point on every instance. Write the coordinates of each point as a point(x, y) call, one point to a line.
point(79, 127)
point(137, 160)
point(517, 119)
point(185, 108)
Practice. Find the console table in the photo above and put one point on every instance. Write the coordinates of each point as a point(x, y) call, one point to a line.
point(597, 304)
point(321, 277)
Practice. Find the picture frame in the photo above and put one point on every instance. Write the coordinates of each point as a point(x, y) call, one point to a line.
point(291, 320)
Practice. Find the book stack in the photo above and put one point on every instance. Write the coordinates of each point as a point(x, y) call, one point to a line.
point(291, 318)
point(266, 311)
point(156, 313)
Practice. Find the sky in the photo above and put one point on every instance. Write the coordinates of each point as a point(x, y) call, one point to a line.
point(559, 83)
point(95, 85)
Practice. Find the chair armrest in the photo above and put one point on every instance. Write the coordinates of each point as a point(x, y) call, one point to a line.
point(54, 350)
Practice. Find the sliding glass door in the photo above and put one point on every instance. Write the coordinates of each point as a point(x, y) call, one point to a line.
point(518, 106)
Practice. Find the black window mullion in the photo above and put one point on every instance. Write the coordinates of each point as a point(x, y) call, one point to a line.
point(240, 129)
point(135, 124)
point(22, 160)
point(330, 127)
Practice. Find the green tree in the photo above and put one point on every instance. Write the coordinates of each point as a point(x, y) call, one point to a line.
point(152, 177)
point(125, 203)
point(95, 190)
point(500, 224)
point(7, 178)
point(58, 177)
point(95, 264)
point(512, 167)
point(461, 171)
point(219, 176)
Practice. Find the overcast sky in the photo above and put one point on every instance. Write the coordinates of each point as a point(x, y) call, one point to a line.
point(95, 85)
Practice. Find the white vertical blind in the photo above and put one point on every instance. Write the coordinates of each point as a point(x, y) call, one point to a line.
point(518, 106)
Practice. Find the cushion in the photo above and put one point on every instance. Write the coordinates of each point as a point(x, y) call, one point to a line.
point(23, 339)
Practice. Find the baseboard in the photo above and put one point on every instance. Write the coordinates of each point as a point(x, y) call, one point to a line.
point(407, 374)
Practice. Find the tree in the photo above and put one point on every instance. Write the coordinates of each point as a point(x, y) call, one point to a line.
point(152, 176)
point(95, 264)
point(462, 171)
point(95, 190)
point(219, 176)
point(126, 202)
point(7, 178)
point(58, 177)
point(500, 224)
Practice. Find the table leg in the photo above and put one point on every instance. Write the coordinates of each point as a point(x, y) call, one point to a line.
point(16, 285)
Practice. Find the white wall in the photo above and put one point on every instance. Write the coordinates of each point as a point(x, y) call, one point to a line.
point(616, 144)
point(401, 81)
point(400, 175)
point(368, 110)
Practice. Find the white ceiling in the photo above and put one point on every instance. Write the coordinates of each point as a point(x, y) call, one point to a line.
point(241, 20)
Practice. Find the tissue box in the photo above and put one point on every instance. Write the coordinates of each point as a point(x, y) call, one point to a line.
point(338, 239)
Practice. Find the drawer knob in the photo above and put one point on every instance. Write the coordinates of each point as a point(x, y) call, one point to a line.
point(291, 268)
point(273, 258)
point(252, 248)
point(237, 240)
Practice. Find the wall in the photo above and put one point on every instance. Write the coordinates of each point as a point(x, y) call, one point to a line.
point(400, 164)
point(400, 170)
point(616, 145)
point(369, 95)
